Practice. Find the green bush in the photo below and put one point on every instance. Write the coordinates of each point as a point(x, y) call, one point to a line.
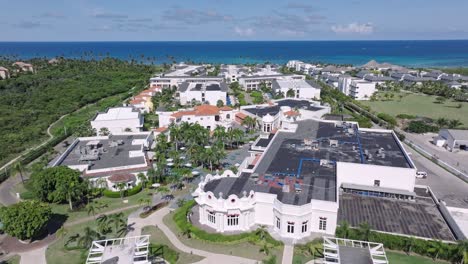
point(126, 193)
point(421, 127)
point(387, 118)
point(27, 195)
point(406, 116)
point(180, 218)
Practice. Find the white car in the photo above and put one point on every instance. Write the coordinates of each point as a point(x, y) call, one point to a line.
point(421, 174)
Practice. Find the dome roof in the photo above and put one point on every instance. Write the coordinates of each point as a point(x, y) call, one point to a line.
point(268, 118)
point(124, 177)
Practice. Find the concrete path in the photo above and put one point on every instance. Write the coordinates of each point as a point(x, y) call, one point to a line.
point(157, 219)
point(6, 188)
point(36, 256)
point(288, 254)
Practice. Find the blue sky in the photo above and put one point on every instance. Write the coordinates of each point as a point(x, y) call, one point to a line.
point(153, 20)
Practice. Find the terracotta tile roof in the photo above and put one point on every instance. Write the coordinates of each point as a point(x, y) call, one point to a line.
point(182, 113)
point(205, 110)
point(241, 115)
point(225, 108)
point(291, 113)
point(122, 177)
point(160, 129)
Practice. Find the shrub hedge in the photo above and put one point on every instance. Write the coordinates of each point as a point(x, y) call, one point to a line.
point(180, 218)
point(153, 209)
point(407, 244)
point(130, 192)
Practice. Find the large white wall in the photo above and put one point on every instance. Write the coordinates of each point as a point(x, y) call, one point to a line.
point(365, 174)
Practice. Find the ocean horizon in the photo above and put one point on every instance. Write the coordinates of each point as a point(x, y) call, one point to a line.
point(411, 53)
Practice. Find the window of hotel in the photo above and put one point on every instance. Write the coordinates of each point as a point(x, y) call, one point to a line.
point(212, 217)
point(377, 183)
point(323, 223)
point(278, 223)
point(290, 227)
point(304, 226)
point(233, 220)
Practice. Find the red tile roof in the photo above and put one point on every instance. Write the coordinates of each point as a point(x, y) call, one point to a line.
point(122, 177)
point(291, 113)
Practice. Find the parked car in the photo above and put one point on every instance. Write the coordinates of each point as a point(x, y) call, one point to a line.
point(421, 174)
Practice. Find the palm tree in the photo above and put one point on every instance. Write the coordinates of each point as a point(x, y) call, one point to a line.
point(454, 123)
point(175, 133)
point(143, 179)
point(344, 229)
point(249, 122)
point(91, 209)
point(442, 122)
point(364, 231)
point(103, 224)
point(409, 242)
point(74, 192)
point(237, 135)
point(121, 186)
point(187, 232)
point(87, 237)
point(104, 131)
point(261, 232)
point(18, 168)
point(117, 220)
point(163, 190)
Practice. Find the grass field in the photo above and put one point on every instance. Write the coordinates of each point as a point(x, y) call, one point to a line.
point(158, 237)
point(57, 254)
point(244, 249)
point(399, 258)
point(421, 105)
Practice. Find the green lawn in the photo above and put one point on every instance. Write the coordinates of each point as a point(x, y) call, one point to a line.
point(244, 249)
point(158, 237)
point(13, 260)
point(57, 254)
point(400, 258)
point(421, 105)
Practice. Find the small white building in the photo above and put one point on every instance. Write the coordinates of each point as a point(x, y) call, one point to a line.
point(254, 82)
point(113, 161)
point(4, 73)
point(361, 89)
point(208, 116)
point(303, 89)
point(452, 139)
point(118, 120)
point(205, 93)
point(344, 83)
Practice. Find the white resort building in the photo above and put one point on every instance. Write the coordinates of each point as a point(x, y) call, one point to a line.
point(295, 178)
point(208, 116)
point(205, 93)
point(118, 120)
point(303, 89)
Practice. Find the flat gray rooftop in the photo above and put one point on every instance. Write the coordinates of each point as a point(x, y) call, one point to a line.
point(109, 156)
point(274, 109)
point(354, 255)
point(417, 218)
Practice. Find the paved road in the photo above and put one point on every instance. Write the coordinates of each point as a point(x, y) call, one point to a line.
point(157, 219)
point(36, 256)
point(446, 186)
point(457, 160)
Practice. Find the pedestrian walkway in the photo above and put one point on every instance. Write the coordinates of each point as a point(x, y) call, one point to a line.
point(156, 219)
point(36, 256)
point(288, 253)
point(6, 191)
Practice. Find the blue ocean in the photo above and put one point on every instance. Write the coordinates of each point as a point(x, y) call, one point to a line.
point(441, 53)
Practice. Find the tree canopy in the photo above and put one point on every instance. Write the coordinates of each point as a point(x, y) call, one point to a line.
point(25, 220)
point(58, 185)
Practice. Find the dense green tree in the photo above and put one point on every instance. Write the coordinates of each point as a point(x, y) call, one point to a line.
point(59, 184)
point(26, 219)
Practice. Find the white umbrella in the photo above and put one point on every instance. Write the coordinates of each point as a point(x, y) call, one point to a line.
point(170, 164)
point(188, 164)
point(195, 172)
point(169, 160)
point(156, 185)
point(182, 148)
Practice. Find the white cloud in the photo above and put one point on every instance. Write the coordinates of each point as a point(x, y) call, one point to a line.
point(356, 28)
point(244, 32)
